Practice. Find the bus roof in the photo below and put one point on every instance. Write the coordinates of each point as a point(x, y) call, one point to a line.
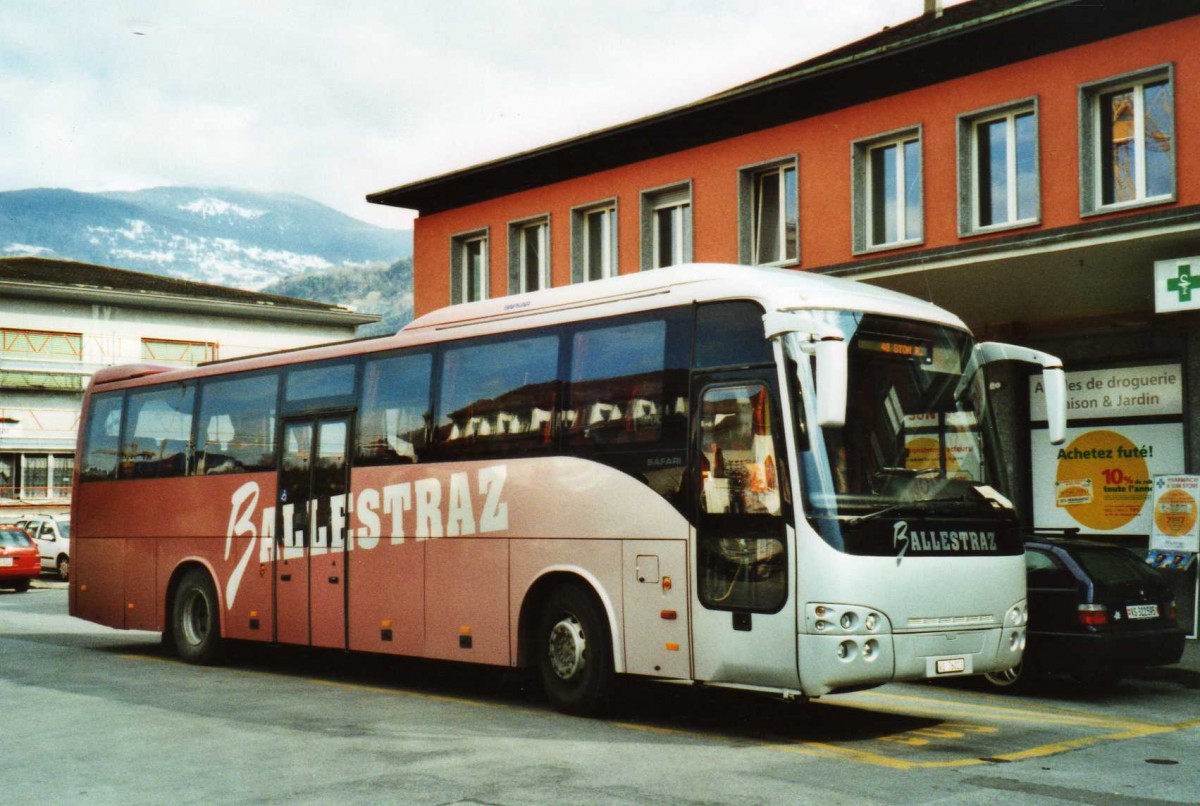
point(775, 289)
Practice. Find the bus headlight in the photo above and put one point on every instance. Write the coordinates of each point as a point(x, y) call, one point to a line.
point(1017, 615)
point(840, 619)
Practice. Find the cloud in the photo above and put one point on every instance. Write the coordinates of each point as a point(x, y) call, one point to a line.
point(333, 101)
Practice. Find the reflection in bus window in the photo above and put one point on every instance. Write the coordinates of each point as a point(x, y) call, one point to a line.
point(158, 432)
point(236, 431)
point(741, 524)
point(616, 393)
point(499, 397)
point(394, 412)
point(102, 437)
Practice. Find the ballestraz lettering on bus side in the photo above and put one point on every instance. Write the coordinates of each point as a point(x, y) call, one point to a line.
point(419, 502)
point(944, 541)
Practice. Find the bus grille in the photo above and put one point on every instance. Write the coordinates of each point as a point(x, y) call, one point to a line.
point(951, 623)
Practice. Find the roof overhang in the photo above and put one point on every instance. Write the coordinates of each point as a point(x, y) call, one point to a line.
point(999, 33)
point(262, 310)
point(1101, 271)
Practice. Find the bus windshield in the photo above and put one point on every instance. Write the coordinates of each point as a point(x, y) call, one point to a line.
point(913, 446)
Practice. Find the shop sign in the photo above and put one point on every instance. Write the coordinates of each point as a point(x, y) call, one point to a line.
point(1147, 391)
point(1177, 285)
point(1102, 478)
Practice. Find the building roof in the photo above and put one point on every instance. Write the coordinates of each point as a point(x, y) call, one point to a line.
point(44, 278)
point(961, 40)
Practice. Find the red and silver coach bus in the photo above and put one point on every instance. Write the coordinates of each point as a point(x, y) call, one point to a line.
point(743, 477)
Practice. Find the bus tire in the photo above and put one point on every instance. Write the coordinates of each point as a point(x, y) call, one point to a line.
point(196, 620)
point(574, 656)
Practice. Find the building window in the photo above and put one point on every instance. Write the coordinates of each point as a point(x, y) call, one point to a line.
point(594, 242)
point(178, 353)
point(1127, 141)
point(769, 212)
point(887, 191)
point(998, 168)
point(35, 476)
point(529, 255)
point(40, 345)
point(667, 226)
point(469, 267)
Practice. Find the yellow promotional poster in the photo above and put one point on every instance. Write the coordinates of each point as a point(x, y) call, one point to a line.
point(1101, 479)
point(1176, 509)
point(1125, 430)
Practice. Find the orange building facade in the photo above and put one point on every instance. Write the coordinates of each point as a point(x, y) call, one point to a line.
point(1032, 165)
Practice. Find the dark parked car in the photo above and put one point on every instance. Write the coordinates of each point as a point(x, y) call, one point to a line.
point(1096, 612)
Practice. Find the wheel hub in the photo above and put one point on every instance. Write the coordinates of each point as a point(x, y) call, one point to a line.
point(567, 647)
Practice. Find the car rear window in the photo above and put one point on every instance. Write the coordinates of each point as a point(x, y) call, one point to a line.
point(15, 538)
point(1113, 565)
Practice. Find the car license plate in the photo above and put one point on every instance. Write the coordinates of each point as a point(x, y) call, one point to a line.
point(6, 561)
point(951, 666)
point(1142, 611)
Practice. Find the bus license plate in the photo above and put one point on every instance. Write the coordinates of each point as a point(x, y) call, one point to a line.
point(951, 666)
point(1142, 611)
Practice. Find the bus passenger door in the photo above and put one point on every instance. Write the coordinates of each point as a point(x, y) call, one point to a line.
point(310, 583)
point(744, 614)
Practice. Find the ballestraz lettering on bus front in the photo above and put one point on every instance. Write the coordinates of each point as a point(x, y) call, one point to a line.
point(944, 541)
point(423, 509)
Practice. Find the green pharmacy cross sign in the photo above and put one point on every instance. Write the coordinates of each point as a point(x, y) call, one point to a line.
point(1181, 284)
point(1174, 285)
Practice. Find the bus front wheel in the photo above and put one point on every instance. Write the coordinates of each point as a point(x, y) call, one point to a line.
point(573, 653)
point(196, 620)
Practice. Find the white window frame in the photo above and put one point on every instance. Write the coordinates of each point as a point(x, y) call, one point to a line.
point(581, 241)
point(863, 212)
point(750, 180)
point(674, 201)
point(969, 194)
point(519, 234)
point(460, 265)
point(1090, 134)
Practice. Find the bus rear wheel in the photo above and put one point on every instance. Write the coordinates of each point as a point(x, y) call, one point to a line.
point(196, 620)
point(574, 659)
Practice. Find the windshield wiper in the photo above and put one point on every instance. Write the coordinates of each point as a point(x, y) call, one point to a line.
point(913, 506)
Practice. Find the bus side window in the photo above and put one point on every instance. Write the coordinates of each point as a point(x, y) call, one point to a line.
point(740, 525)
point(731, 334)
point(498, 398)
point(102, 440)
point(616, 390)
point(158, 432)
point(394, 412)
point(236, 428)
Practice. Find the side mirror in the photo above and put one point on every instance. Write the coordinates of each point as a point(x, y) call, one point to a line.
point(808, 335)
point(832, 372)
point(1054, 379)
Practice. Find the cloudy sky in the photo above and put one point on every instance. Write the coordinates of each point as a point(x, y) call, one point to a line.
point(334, 99)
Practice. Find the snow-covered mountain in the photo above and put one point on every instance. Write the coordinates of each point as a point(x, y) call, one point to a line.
point(230, 237)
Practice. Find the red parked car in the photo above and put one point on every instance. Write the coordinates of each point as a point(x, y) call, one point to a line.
point(19, 561)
